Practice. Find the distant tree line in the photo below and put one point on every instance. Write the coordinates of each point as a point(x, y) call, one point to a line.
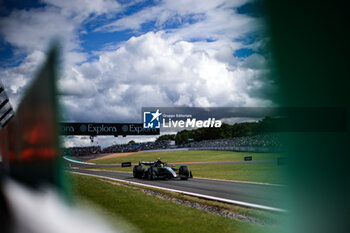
point(170, 137)
point(268, 124)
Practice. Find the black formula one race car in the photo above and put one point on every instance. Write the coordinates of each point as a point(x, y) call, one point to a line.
point(160, 170)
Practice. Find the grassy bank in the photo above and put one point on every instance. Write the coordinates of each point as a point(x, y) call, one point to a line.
point(266, 173)
point(187, 156)
point(151, 214)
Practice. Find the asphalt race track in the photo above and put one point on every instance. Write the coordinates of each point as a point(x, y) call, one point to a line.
point(256, 195)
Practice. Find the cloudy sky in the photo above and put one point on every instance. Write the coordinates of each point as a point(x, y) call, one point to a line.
point(119, 56)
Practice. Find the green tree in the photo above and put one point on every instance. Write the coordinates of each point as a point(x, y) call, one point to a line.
point(167, 137)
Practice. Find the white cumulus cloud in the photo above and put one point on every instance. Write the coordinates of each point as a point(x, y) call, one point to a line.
point(155, 70)
point(181, 54)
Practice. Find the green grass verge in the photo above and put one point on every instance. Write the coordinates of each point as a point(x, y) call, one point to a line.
point(151, 214)
point(188, 156)
point(265, 173)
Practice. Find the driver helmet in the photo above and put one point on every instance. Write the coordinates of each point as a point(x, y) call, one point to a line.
point(160, 164)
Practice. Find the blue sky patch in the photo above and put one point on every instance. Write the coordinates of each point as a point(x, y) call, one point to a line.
point(242, 53)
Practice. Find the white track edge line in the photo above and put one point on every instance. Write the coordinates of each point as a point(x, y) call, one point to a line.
point(76, 161)
point(241, 181)
point(247, 204)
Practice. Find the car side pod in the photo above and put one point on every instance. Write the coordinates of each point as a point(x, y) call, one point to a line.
point(150, 174)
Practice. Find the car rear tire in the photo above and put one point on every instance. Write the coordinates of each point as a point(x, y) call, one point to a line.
point(137, 171)
point(184, 172)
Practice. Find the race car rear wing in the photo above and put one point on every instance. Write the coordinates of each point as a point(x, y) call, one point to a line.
point(149, 163)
